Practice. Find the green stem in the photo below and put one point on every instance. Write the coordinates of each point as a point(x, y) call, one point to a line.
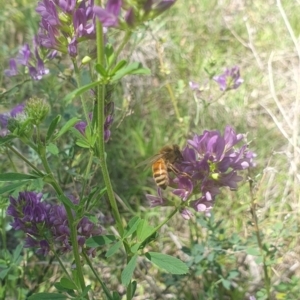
point(105, 289)
point(59, 261)
point(100, 125)
point(83, 102)
point(129, 291)
point(3, 229)
point(10, 159)
point(71, 222)
point(24, 159)
point(259, 240)
point(219, 97)
point(163, 223)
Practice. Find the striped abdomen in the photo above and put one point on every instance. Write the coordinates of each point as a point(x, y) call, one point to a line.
point(160, 173)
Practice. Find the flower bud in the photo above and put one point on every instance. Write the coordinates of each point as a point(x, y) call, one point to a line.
point(86, 59)
point(37, 109)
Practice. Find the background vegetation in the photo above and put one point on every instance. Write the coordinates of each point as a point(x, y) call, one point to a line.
point(193, 40)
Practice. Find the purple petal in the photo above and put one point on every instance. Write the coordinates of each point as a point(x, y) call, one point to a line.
point(194, 85)
point(13, 70)
point(107, 18)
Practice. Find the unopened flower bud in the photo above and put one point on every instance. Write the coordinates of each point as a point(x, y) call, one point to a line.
point(86, 59)
point(37, 109)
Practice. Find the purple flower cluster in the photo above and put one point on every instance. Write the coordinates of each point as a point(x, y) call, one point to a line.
point(6, 116)
point(66, 23)
point(210, 162)
point(31, 60)
point(46, 224)
point(230, 79)
point(109, 110)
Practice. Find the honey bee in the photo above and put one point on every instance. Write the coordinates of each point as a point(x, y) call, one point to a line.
point(163, 163)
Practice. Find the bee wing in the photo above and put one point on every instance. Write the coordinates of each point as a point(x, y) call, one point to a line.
point(149, 161)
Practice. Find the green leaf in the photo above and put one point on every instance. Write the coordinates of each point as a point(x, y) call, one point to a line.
point(133, 68)
point(109, 53)
point(66, 128)
point(17, 252)
point(226, 283)
point(52, 148)
point(113, 249)
point(171, 264)
point(80, 91)
point(101, 70)
point(83, 144)
point(60, 288)
point(52, 127)
point(4, 273)
point(100, 240)
point(12, 187)
point(132, 226)
point(16, 176)
point(81, 139)
point(233, 274)
point(64, 199)
point(47, 296)
point(86, 290)
point(144, 230)
point(6, 139)
point(116, 296)
point(133, 287)
point(141, 71)
point(128, 271)
point(253, 251)
point(119, 66)
point(135, 248)
point(67, 284)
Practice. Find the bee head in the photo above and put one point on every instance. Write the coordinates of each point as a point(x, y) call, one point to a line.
point(177, 153)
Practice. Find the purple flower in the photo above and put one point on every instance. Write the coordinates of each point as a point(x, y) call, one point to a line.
point(130, 17)
point(186, 214)
point(60, 230)
point(230, 79)
point(185, 187)
point(12, 71)
point(17, 110)
point(6, 116)
point(210, 162)
point(108, 121)
point(72, 48)
point(110, 15)
point(67, 6)
point(157, 200)
point(80, 126)
point(32, 61)
point(194, 86)
point(24, 55)
point(47, 223)
point(30, 214)
point(83, 22)
point(48, 11)
point(43, 248)
point(109, 110)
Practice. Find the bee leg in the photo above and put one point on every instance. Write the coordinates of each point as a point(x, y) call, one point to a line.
point(177, 172)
